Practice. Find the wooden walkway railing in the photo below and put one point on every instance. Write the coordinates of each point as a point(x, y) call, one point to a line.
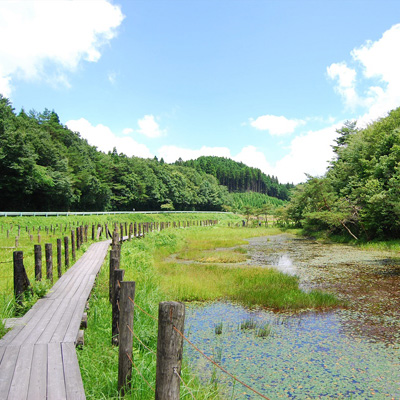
point(37, 357)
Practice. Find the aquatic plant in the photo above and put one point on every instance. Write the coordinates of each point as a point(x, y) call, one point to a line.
point(249, 323)
point(218, 328)
point(264, 330)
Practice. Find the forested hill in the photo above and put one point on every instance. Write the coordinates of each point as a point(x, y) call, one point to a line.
point(238, 177)
point(44, 166)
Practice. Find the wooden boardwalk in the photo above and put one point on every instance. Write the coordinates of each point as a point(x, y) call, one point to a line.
point(37, 357)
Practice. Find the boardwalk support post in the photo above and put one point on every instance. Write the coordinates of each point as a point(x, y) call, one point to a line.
point(38, 262)
point(171, 314)
point(66, 252)
point(127, 296)
point(118, 278)
point(49, 261)
point(21, 281)
point(59, 255)
point(114, 264)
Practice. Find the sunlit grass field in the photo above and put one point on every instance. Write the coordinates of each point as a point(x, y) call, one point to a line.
point(22, 233)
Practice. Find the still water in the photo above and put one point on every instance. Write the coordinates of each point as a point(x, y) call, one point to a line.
point(346, 353)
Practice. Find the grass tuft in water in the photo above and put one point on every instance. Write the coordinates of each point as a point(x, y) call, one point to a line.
point(218, 328)
point(264, 331)
point(249, 323)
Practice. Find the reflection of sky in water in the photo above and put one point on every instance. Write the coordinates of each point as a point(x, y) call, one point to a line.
point(306, 356)
point(284, 264)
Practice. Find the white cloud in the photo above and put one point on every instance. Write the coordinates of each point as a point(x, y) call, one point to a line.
point(46, 39)
point(171, 153)
point(105, 140)
point(378, 63)
point(252, 157)
point(346, 78)
point(112, 77)
point(127, 131)
point(276, 125)
point(149, 127)
point(309, 154)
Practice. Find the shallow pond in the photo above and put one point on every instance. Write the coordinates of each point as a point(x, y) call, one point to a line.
point(345, 353)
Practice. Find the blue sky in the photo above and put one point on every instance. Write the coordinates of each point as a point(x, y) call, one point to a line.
point(263, 82)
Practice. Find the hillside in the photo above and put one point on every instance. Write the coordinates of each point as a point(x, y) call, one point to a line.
point(44, 166)
point(238, 177)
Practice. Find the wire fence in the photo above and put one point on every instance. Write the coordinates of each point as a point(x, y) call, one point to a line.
point(199, 351)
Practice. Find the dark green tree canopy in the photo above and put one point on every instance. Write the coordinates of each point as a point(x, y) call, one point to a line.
point(46, 167)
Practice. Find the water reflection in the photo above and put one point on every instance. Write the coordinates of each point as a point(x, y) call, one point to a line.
point(305, 356)
point(348, 353)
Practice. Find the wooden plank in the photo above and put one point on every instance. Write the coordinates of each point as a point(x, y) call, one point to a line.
point(38, 380)
point(49, 328)
point(9, 337)
point(2, 351)
point(33, 331)
point(34, 363)
point(55, 373)
point(20, 382)
point(75, 322)
point(62, 327)
point(68, 291)
point(7, 367)
point(73, 380)
point(20, 334)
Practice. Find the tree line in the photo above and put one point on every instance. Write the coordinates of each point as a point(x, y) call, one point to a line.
point(359, 195)
point(239, 177)
point(44, 166)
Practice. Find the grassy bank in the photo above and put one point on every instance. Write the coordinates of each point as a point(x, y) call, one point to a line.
point(194, 277)
point(22, 233)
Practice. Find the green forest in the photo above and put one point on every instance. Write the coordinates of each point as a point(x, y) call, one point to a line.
point(238, 177)
point(359, 195)
point(44, 166)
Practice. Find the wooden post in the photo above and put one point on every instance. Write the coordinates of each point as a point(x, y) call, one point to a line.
point(118, 278)
point(115, 239)
point(78, 238)
point(114, 264)
point(130, 231)
point(38, 262)
point(99, 228)
point(73, 244)
point(66, 252)
point(126, 306)
point(16, 242)
point(21, 281)
point(49, 261)
point(169, 350)
point(93, 230)
point(135, 230)
point(59, 254)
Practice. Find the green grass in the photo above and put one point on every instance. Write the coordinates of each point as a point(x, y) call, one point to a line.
point(213, 280)
point(98, 359)
point(225, 256)
point(146, 262)
point(51, 229)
